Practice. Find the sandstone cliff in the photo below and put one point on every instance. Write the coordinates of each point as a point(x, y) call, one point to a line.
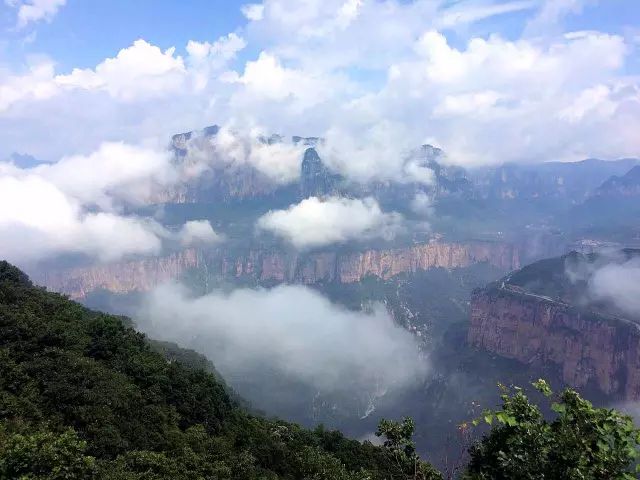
point(124, 277)
point(279, 266)
point(589, 349)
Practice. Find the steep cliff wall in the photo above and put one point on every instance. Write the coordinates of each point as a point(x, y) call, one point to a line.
point(278, 266)
point(589, 349)
point(136, 275)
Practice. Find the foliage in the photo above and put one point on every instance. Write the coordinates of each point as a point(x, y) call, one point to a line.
point(399, 443)
point(581, 442)
point(82, 395)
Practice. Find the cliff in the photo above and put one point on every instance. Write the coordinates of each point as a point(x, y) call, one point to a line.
point(279, 266)
point(588, 348)
point(124, 277)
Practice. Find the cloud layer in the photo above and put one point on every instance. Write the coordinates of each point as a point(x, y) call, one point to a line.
point(619, 284)
point(291, 329)
point(316, 222)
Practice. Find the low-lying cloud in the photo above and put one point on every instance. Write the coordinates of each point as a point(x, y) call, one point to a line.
point(231, 149)
point(316, 222)
point(290, 329)
point(198, 232)
point(618, 283)
point(75, 206)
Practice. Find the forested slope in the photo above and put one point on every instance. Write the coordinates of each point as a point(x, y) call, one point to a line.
point(82, 395)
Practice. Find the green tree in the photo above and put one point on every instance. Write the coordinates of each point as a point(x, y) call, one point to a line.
point(580, 443)
point(398, 441)
point(44, 456)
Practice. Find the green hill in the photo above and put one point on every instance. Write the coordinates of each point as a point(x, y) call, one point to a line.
point(82, 395)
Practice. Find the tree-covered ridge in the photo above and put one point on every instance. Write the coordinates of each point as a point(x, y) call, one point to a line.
point(84, 396)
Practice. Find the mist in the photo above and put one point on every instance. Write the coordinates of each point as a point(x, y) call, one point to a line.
point(291, 330)
point(618, 283)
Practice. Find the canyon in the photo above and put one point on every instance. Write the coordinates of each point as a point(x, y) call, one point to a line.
point(267, 266)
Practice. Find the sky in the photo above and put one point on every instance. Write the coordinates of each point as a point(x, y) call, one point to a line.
point(487, 80)
point(95, 89)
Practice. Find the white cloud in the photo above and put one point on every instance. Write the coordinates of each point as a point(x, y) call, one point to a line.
point(290, 329)
point(139, 71)
point(32, 11)
point(317, 222)
point(498, 100)
point(552, 12)
point(198, 232)
point(618, 283)
point(234, 148)
point(73, 206)
point(37, 220)
point(376, 79)
point(421, 204)
point(36, 85)
point(253, 11)
point(463, 14)
point(115, 171)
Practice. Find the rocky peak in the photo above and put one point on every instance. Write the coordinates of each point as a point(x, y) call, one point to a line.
point(179, 141)
point(315, 178)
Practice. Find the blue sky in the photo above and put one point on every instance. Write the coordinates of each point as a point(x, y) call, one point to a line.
point(87, 31)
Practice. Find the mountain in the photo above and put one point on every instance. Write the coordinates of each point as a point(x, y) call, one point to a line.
point(613, 206)
point(627, 185)
point(84, 396)
point(546, 314)
point(572, 181)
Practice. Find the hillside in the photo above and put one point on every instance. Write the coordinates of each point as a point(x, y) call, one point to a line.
point(84, 396)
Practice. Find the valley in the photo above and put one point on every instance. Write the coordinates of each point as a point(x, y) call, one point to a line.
point(479, 227)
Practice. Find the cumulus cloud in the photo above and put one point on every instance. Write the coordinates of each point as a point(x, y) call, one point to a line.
point(316, 222)
point(618, 283)
point(139, 71)
point(142, 92)
point(291, 329)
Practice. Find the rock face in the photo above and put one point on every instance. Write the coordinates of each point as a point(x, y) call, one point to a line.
point(137, 275)
point(278, 266)
point(589, 349)
point(315, 178)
